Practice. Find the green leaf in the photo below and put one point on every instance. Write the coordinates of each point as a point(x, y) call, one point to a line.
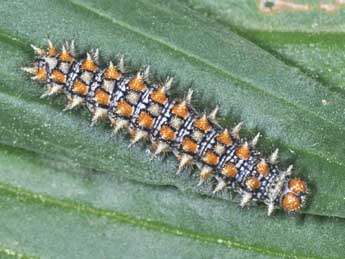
point(60, 178)
point(311, 41)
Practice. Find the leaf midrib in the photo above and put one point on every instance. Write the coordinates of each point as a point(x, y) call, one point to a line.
point(5, 251)
point(112, 215)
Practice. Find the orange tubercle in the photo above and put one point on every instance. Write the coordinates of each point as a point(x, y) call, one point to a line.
point(253, 183)
point(102, 97)
point(180, 110)
point(111, 73)
point(291, 202)
point(158, 96)
point(89, 65)
point(211, 158)
point(230, 170)
point(124, 108)
point(263, 168)
point(137, 84)
point(297, 185)
point(58, 76)
point(189, 145)
point(167, 133)
point(202, 124)
point(41, 74)
point(224, 138)
point(80, 88)
point(65, 56)
point(243, 152)
point(145, 120)
point(52, 52)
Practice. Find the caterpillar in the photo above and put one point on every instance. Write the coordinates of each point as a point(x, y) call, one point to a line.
point(147, 111)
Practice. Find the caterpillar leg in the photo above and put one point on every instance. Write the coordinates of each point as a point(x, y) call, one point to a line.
point(245, 199)
point(73, 102)
point(204, 175)
point(220, 186)
point(185, 160)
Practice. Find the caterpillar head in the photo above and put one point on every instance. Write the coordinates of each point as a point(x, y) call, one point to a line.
point(287, 193)
point(294, 195)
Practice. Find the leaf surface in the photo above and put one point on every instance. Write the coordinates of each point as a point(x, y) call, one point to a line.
point(100, 192)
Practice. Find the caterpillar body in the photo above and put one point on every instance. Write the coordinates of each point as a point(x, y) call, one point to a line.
point(147, 111)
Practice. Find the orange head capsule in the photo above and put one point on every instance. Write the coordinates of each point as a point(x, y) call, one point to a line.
point(297, 186)
point(294, 196)
point(291, 202)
